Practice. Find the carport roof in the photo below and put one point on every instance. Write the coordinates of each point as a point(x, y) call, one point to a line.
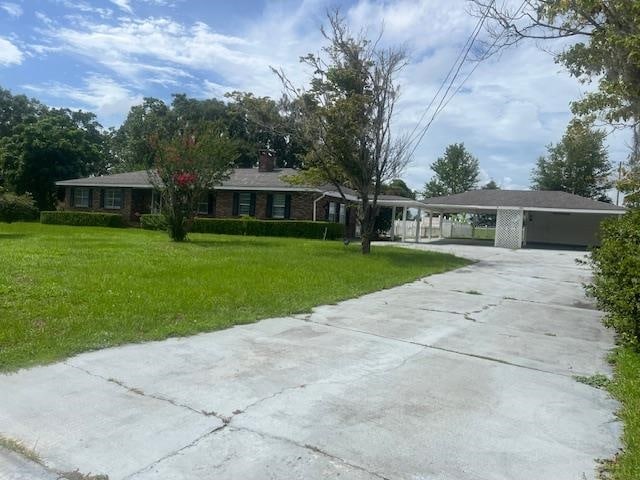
point(531, 200)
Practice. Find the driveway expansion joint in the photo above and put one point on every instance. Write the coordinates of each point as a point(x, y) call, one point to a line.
point(434, 347)
point(313, 449)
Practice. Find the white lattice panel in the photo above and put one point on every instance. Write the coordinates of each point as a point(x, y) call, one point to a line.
point(509, 228)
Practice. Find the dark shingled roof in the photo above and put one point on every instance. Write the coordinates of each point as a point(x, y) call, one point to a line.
point(531, 199)
point(130, 179)
point(242, 178)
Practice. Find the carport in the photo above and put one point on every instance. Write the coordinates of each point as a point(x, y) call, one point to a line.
point(532, 217)
point(394, 202)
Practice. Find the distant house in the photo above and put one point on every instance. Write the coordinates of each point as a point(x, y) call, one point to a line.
point(262, 193)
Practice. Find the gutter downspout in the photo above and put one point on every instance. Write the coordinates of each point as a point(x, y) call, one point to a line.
point(315, 204)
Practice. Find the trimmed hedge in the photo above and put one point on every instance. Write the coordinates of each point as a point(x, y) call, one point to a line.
point(252, 227)
point(82, 219)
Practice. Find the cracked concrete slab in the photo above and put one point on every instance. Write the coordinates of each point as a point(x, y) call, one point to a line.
point(425, 380)
point(248, 455)
point(227, 371)
point(76, 421)
point(443, 416)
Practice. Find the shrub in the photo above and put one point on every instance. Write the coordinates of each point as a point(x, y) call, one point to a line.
point(82, 219)
point(15, 208)
point(153, 221)
point(269, 228)
point(616, 274)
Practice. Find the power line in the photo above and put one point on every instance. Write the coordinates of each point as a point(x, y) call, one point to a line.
point(464, 49)
point(442, 104)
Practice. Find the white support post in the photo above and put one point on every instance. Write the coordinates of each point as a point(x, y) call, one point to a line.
point(393, 223)
point(418, 225)
point(440, 218)
point(404, 224)
point(430, 223)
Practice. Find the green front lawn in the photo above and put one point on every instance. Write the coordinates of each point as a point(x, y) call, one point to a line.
point(65, 290)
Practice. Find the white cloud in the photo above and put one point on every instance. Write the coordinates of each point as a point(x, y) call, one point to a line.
point(13, 9)
point(9, 53)
point(123, 5)
point(100, 94)
point(85, 7)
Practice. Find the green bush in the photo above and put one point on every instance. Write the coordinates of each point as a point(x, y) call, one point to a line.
point(82, 219)
point(268, 228)
point(616, 274)
point(153, 221)
point(14, 208)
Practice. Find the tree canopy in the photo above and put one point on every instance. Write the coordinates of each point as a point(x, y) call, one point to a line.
point(455, 172)
point(250, 122)
point(51, 145)
point(606, 49)
point(578, 164)
point(398, 187)
point(491, 185)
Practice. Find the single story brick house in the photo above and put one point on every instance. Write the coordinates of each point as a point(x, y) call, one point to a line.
point(262, 192)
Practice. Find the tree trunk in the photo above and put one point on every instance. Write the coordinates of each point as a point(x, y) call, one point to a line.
point(366, 226)
point(366, 244)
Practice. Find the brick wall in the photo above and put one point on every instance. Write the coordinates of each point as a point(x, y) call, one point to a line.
point(139, 202)
point(125, 211)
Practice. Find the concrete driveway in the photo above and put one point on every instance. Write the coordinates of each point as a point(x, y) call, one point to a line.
point(464, 375)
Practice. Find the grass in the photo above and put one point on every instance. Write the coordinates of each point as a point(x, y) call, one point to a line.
point(597, 380)
point(65, 290)
point(20, 449)
point(626, 388)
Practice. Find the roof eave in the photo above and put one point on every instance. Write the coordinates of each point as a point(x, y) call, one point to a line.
point(446, 207)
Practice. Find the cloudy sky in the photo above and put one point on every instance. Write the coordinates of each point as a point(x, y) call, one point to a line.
point(106, 55)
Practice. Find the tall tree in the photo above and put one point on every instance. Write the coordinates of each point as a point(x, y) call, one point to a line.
point(57, 145)
point(258, 122)
point(398, 187)
point(455, 172)
point(130, 143)
point(578, 164)
point(16, 110)
point(491, 185)
point(346, 117)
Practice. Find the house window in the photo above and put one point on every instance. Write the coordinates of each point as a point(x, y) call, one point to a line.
point(203, 205)
point(81, 198)
point(279, 205)
point(113, 198)
point(343, 213)
point(156, 202)
point(332, 211)
point(244, 203)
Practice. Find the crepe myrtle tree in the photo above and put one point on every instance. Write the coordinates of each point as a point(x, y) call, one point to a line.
point(187, 166)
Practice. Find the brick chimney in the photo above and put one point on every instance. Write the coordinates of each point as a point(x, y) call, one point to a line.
point(266, 160)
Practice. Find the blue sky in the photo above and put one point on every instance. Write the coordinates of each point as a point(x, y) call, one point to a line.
point(107, 55)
